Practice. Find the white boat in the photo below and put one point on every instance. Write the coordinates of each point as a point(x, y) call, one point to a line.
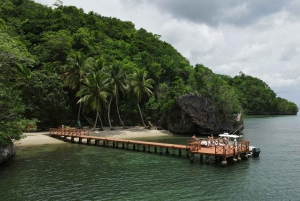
point(230, 135)
point(229, 138)
point(207, 143)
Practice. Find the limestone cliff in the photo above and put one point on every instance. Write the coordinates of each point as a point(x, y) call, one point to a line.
point(195, 114)
point(7, 152)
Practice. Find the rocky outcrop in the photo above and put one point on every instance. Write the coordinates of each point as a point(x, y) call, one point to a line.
point(195, 114)
point(7, 152)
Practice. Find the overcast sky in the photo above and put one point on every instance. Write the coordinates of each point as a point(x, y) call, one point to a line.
point(259, 38)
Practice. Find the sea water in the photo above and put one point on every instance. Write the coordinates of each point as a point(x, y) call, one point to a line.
point(81, 172)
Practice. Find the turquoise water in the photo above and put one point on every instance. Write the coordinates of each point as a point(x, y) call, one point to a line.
point(80, 172)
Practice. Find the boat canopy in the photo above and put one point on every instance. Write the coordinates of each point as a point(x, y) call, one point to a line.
point(230, 136)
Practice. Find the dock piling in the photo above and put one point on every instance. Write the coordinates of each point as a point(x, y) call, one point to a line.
point(224, 162)
point(239, 158)
point(192, 158)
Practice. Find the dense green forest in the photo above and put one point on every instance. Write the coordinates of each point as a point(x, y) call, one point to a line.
point(63, 66)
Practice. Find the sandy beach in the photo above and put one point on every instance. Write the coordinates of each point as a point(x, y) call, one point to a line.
point(43, 138)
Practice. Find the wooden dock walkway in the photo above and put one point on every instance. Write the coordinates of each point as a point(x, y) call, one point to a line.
point(221, 152)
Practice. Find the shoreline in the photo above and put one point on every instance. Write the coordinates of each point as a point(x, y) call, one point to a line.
point(43, 138)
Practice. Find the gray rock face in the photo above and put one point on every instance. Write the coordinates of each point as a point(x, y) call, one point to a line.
point(195, 114)
point(7, 152)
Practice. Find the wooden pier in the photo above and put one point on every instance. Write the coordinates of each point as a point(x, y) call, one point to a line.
point(190, 149)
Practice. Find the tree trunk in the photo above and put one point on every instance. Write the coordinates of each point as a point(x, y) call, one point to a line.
point(95, 124)
point(119, 114)
point(78, 118)
point(108, 112)
point(88, 120)
point(101, 122)
point(141, 115)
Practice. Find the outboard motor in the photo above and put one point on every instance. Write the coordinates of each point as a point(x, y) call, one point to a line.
point(256, 151)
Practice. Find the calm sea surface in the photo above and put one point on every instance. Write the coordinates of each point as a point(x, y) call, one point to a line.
point(80, 172)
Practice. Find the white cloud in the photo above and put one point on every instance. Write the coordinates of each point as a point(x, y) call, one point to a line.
point(192, 40)
point(276, 81)
point(257, 51)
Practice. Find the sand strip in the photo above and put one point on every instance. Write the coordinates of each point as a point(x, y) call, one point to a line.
point(43, 138)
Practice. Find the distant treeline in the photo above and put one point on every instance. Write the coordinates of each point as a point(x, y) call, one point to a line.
point(62, 65)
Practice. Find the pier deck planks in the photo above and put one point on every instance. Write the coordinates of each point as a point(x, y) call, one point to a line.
point(193, 148)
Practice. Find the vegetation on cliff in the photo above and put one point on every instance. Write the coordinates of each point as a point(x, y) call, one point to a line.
point(63, 66)
point(257, 97)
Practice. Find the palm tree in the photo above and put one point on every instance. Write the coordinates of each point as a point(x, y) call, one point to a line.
point(73, 72)
point(118, 83)
point(141, 87)
point(93, 65)
point(94, 92)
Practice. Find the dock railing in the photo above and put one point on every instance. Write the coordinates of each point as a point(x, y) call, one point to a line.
point(230, 149)
point(219, 149)
point(68, 132)
point(193, 145)
point(245, 145)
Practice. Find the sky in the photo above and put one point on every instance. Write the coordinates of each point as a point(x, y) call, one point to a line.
point(259, 38)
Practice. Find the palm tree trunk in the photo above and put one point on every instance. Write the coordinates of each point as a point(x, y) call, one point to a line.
point(108, 112)
point(119, 113)
point(141, 115)
point(87, 119)
point(78, 120)
point(101, 122)
point(95, 124)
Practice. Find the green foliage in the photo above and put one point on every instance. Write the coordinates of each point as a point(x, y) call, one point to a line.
point(11, 109)
point(140, 85)
point(29, 124)
point(44, 98)
point(258, 98)
point(283, 106)
point(57, 45)
point(118, 84)
point(14, 59)
point(169, 94)
point(74, 70)
point(5, 7)
point(94, 91)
